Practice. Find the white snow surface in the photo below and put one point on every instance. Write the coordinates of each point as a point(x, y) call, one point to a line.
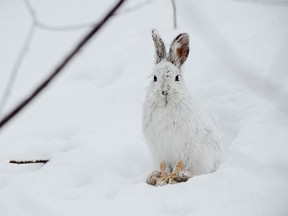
point(88, 122)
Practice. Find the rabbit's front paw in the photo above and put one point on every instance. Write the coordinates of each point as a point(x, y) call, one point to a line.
point(178, 175)
point(181, 176)
point(159, 178)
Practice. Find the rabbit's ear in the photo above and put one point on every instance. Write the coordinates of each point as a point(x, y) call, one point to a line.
point(159, 47)
point(179, 50)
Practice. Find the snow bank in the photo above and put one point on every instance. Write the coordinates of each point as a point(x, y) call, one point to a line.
point(89, 121)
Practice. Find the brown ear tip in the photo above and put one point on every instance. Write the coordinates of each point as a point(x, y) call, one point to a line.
point(183, 38)
point(186, 35)
point(154, 33)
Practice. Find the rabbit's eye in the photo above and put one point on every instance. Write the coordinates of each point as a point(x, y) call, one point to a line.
point(177, 78)
point(154, 79)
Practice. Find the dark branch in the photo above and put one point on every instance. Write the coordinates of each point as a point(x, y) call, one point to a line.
point(28, 162)
point(60, 67)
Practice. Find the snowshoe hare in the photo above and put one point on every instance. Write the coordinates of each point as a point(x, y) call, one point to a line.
point(183, 139)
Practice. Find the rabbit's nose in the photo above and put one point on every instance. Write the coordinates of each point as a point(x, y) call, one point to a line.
point(164, 93)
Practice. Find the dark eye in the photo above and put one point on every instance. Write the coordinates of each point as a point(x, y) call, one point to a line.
point(177, 78)
point(154, 79)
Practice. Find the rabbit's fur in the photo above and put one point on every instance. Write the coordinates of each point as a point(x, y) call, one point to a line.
point(174, 126)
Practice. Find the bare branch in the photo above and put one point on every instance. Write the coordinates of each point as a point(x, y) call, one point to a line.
point(60, 67)
point(30, 10)
point(174, 14)
point(28, 162)
point(134, 8)
point(64, 28)
point(47, 27)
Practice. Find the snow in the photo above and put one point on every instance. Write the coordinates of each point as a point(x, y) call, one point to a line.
point(88, 123)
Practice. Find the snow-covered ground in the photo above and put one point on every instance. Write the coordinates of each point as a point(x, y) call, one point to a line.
point(88, 123)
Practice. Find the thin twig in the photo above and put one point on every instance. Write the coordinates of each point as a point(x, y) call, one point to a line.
point(16, 67)
point(64, 28)
point(48, 27)
point(60, 67)
point(28, 162)
point(174, 14)
point(134, 8)
point(31, 11)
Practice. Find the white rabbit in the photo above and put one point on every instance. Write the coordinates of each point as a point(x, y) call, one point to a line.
point(183, 139)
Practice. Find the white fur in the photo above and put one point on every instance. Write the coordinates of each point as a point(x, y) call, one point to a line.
point(175, 127)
